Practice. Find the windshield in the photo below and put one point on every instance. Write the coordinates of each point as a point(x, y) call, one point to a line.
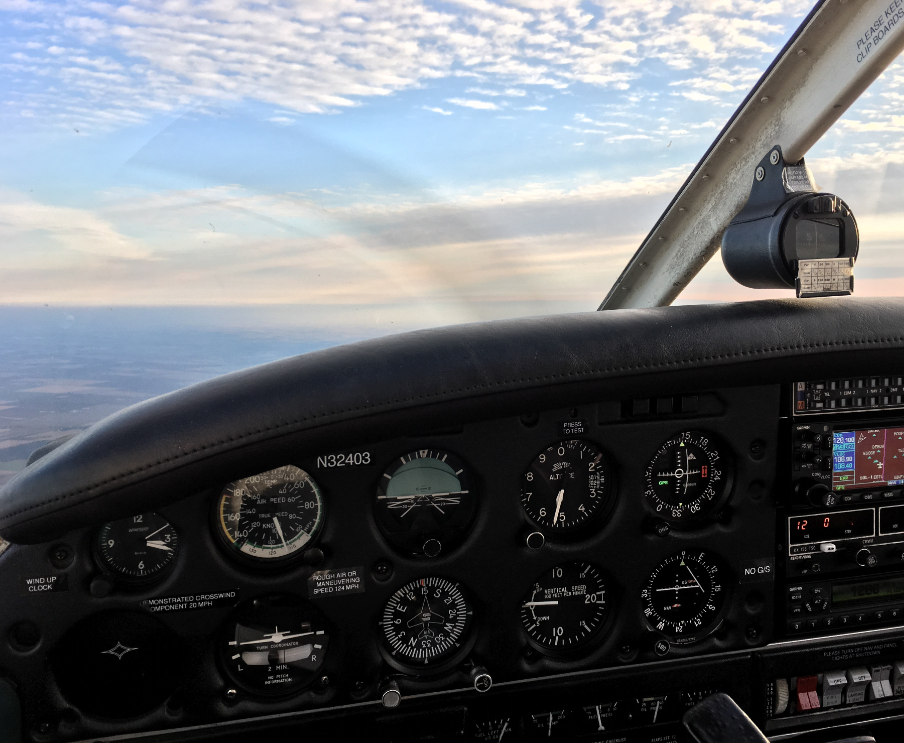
point(194, 188)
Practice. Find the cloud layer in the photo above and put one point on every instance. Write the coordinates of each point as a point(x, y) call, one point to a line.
point(226, 246)
point(659, 74)
point(116, 64)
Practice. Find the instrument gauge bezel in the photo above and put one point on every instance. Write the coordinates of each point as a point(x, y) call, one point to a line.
point(261, 562)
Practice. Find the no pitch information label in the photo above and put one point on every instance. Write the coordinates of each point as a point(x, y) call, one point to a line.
point(336, 582)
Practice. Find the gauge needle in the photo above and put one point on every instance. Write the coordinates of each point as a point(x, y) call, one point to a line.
point(502, 732)
point(541, 603)
point(279, 531)
point(136, 541)
point(156, 532)
point(559, 498)
point(158, 545)
point(694, 577)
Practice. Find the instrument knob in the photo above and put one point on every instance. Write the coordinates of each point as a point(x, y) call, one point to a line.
point(390, 695)
point(820, 495)
point(863, 557)
point(481, 679)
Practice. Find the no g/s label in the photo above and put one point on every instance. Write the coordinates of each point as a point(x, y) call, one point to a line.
point(757, 571)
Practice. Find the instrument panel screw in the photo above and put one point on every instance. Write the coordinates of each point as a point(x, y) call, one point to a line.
point(61, 556)
point(757, 449)
point(753, 633)
point(231, 694)
point(359, 685)
point(760, 173)
point(324, 682)
point(773, 157)
point(383, 570)
point(626, 649)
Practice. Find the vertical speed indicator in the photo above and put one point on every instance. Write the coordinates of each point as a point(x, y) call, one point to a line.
point(566, 608)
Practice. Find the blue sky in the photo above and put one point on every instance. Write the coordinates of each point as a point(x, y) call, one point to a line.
point(402, 163)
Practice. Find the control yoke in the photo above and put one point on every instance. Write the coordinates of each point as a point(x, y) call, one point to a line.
point(717, 719)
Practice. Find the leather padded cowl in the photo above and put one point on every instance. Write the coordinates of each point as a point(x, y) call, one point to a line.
point(416, 383)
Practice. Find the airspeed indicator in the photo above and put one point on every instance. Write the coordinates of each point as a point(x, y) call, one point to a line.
point(270, 518)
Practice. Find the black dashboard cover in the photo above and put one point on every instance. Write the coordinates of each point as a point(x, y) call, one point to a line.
point(166, 448)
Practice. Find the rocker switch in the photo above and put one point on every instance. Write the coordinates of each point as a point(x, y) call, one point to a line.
point(807, 697)
point(858, 679)
point(833, 683)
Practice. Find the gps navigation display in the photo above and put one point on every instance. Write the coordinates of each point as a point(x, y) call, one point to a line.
point(868, 458)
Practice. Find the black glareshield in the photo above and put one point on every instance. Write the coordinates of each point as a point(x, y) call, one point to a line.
point(784, 222)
